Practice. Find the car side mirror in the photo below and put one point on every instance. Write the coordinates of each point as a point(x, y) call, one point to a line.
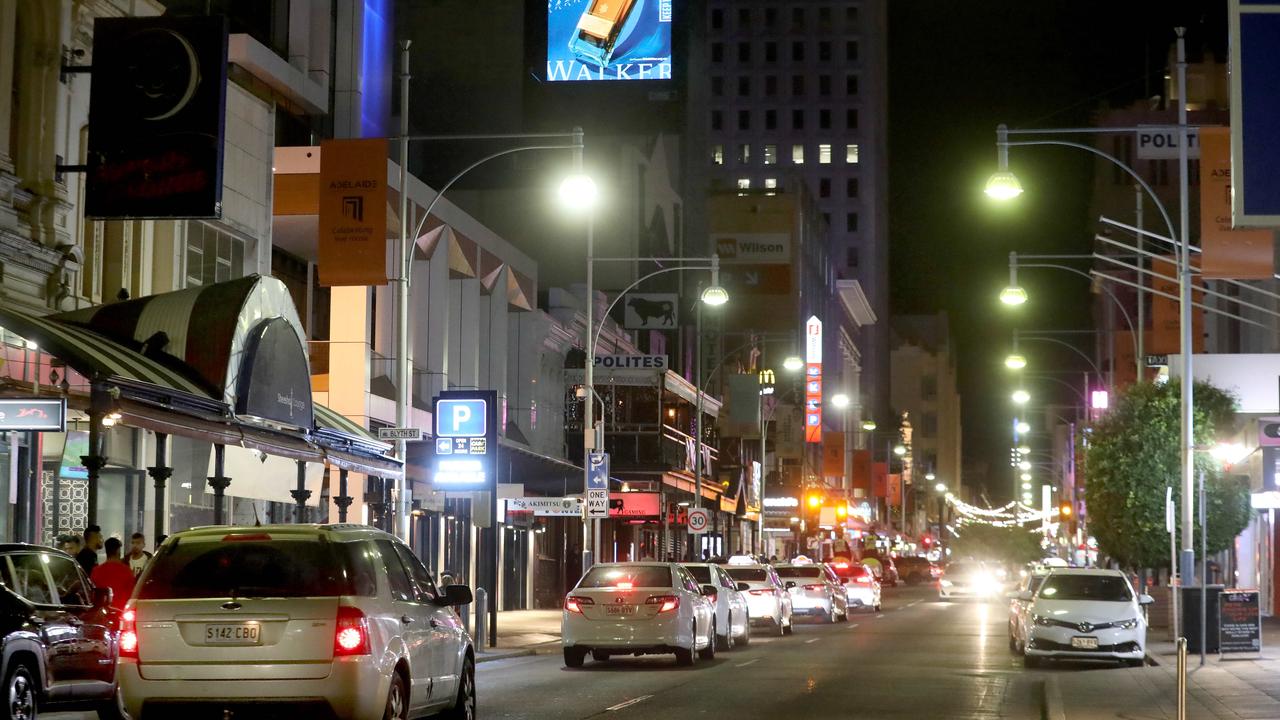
point(1025, 595)
point(1145, 599)
point(743, 587)
point(102, 597)
point(455, 595)
point(790, 585)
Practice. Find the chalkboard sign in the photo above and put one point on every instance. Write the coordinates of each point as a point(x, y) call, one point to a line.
point(1240, 623)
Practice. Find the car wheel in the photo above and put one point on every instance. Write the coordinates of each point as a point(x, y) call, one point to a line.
point(113, 709)
point(745, 640)
point(725, 641)
point(831, 616)
point(600, 656)
point(573, 657)
point(687, 657)
point(782, 625)
point(1013, 643)
point(1135, 663)
point(22, 693)
point(789, 627)
point(464, 707)
point(709, 652)
point(397, 700)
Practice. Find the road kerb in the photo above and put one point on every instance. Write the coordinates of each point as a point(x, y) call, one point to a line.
point(1051, 699)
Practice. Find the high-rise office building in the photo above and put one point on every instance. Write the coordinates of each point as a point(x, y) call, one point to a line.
point(795, 92)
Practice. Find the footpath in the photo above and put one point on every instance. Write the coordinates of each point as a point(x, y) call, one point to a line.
point(1231, 689)
point(523, 632)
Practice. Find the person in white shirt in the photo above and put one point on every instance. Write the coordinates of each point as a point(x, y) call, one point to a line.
point(138, 556)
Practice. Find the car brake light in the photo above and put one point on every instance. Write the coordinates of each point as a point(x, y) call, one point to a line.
point(864, 579)
point(128, 634)
point(842, 566)
point(574, 603)
point(624, 585)
point(667, 602)
point(246, 537)
point(351, 632)
point(814, 587)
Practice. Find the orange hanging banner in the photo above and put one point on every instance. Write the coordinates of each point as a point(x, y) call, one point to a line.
point(352, 243)
point(1226, 252)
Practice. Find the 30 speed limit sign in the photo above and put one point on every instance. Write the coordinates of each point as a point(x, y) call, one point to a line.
point(699, 520)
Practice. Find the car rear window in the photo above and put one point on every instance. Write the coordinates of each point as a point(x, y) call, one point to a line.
point(256, 566)
point(701, 573)
point(799, 572)
point(635, 575)
point(742, 574)
point(850, 571)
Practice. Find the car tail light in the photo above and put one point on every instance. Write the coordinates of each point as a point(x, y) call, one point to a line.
point(624, 585)
point(666, 603)
point(864, 579)
point(842, 566)
point(814, 587)
point(574, 603)
point(129, 634)
point(351, 632)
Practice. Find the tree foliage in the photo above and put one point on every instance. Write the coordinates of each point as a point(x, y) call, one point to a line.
point(1133, 454)
point(1005, 544)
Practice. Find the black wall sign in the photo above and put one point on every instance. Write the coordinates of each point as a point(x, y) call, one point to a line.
point(28, 414)
point(1240, 622)
point(274, 381)
point(157, 104)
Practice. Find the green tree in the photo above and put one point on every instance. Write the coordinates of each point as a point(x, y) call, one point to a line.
point(1005, 544)
point(1133, 454)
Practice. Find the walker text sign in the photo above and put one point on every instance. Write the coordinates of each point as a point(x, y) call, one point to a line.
point(466, 439)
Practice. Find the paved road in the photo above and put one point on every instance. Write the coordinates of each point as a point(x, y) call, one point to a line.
point(919, 659)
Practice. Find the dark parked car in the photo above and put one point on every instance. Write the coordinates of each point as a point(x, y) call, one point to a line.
point(59, 636)
point(914, 570)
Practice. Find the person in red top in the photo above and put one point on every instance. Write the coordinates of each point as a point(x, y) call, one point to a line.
point(114, 574)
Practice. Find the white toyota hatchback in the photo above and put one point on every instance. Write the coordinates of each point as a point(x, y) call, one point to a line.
point(318, 620)
point(637, 609)
point(1080, 614)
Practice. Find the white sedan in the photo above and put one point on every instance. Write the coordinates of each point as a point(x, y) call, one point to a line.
point(733, 619)
point(637, 609)
point(767, 598)
point(1080, 614)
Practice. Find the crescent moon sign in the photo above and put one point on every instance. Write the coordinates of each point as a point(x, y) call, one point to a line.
point(193, 79)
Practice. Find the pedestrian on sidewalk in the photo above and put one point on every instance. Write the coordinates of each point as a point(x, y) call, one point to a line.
point(114, 574)
point(88, 555)
point(138, 555)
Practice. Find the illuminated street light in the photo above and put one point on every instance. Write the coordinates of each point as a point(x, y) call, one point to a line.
point(1023, 428)
point(1024, 449)
point(1021, 397)
point(1026, 486)
point(792, 363)
point(715, 294)
point(930, 477)
point(578, 192)
point(1003, 185)
point(900, 450)
point(940, 487)
point(1013, 295)
point(1026, 476)
point(868, 425)
point(1015, 361)
point(840, 401)
point(1024, 465)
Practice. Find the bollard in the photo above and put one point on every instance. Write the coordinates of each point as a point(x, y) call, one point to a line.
point(1182, 678)
point(482, 612)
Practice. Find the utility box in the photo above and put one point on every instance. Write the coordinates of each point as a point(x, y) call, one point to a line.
point(1190, 609)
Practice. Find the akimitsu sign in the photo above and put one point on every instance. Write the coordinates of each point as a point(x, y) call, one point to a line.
point(608, 40)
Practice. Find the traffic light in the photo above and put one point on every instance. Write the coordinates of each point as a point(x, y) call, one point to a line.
point(815, 500)
point(842, 511)
point(1065, 510)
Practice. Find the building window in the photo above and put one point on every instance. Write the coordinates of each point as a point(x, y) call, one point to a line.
point(744, 183)
point(824, 187)
point(824, 51)
point(824, 18)
point(797, 85)
point(771, 183)
point(717, 154)
point(744, 154)
point(929, 387)
point(824, 154)
point(851, 119)
point(770, 85)
point(851, 257)
point(717, 120)
point(212, 256)
point(797, 18)
point(851, 154)
point(797, 119)
point(770, 119)
point(744, 18)
point(771, 51)
point(826, 219)
point(851, 85)
point(717, 19)
point(851, 222)
point(717, 86)
point(744, 119)
point(797, 154)
point(744, 86)
point(824, 119)
point(851, 17)
point(824, 85)
point(717, 52)
point(744, 52)
point(851, 50)
point(770, 17)
point(851, 187)
point(770, 154)
point(797, 51)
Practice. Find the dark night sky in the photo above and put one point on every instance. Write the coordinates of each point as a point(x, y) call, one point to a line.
point(956, 70)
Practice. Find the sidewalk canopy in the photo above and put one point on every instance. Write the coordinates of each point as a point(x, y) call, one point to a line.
point(225, 363)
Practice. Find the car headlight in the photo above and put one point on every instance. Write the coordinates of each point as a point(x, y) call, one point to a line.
point(1041, 620)
point(1127, 624)
point(945, 583)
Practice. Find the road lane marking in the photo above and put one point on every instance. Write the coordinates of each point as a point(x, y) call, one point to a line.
point(913, 603)
point(749, 662)
point(628, 703)
point(880, 615)
point(852, 626)
point(811, 641)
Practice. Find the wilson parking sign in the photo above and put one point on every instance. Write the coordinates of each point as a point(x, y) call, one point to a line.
point(464, 423)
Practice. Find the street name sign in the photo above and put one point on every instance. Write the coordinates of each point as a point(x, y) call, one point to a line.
point(406, 434)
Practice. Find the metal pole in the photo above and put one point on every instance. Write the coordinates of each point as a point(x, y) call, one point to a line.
point(1204, 576)
point(404, 261)
point(1175, 587)
point(589, 525)
point(764, 474)
point(1140, 331)
point(1182, 679)
point(160, 474)
point(697, 421)
point(1184, 294)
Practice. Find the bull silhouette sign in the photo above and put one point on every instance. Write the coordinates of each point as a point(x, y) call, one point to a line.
point(652, 311)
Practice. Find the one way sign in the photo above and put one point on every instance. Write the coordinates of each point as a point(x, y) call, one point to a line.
point(598, 485)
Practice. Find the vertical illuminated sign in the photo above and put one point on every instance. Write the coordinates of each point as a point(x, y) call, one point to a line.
point(813, 380)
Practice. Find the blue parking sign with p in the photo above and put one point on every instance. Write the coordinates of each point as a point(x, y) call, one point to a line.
point(461, 418)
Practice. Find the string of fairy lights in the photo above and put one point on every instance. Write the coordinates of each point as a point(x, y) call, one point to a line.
point(1011, 514)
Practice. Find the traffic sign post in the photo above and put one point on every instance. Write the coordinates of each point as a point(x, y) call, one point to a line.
point(699, 520)
point(598, 486)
